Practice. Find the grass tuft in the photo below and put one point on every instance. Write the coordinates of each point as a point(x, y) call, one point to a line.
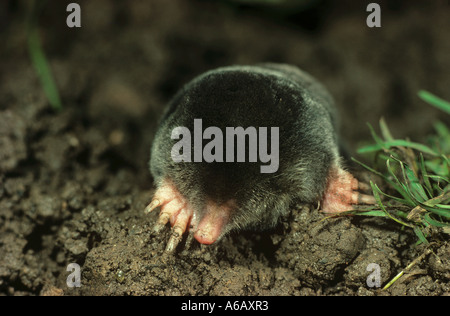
point(417, 177)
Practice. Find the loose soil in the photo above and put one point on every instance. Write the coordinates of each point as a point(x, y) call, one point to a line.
point(74, 183)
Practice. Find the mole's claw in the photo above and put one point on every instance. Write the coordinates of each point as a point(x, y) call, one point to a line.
point(189, 240)
point(153, 204)
point(162, 221)
point(364, 187)
point(174, 240)
point(365, 199)
point(178, 229)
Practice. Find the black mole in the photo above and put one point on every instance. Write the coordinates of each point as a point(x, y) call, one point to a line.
point(209, 199)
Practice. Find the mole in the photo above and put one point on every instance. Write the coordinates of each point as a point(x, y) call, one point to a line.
point(208, 198)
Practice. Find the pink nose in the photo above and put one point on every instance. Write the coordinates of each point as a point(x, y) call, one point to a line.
point(213, 222)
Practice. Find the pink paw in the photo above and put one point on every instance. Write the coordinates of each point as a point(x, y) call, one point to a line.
point(206, 228)
point(341, 192)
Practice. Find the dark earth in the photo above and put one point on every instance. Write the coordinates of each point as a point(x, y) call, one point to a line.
point(74, 183)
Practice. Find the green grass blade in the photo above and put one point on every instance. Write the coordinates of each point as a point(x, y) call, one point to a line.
point(377, 213)
point(438, 211)
point(444, 197)
point(397, 143)
point(420, 234)
point(438, 167)
point(394, 185)
point(39, 60)
point(415, 186)
point(442, 131)
point(399, 186)
point(400, 200)
point(385, 130)
point(376, 194)
point(438, 178)
point(426, 179)
point(369, 148)
point(371, 170)
point(377, 139)
point(434, 222)
point(435, 101)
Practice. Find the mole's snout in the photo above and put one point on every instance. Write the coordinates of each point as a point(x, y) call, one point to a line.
point(213, 222)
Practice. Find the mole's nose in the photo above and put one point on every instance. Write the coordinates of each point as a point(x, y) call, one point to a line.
point(213, 222)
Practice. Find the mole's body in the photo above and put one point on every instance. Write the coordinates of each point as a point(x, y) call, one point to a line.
point(209, 199)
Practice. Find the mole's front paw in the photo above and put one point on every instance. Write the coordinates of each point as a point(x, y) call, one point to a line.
point(341, 192)
point(174, 208)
